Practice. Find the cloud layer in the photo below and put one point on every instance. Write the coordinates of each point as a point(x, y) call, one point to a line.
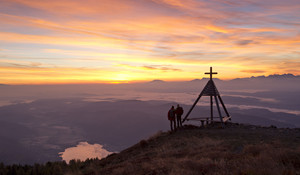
point(74, 41)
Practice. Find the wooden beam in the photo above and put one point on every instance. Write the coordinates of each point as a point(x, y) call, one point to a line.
point(221, 118)
point(187, 114)
point(210, 73)
point(211, 109)
point(223, 106)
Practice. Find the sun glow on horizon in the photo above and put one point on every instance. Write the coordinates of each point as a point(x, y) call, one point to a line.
point(125, 41)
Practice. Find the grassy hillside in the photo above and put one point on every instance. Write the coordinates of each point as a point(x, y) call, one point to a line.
point(237, 149)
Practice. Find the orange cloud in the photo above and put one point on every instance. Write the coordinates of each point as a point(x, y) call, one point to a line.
point(42, 39)
point(74, 7)
point(35, 75)
point(185, 4)
point(162, 68)
point(253, 71)
point(216, 29)
point(97, 37)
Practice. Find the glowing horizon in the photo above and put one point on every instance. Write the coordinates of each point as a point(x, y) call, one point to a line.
point(120, 41)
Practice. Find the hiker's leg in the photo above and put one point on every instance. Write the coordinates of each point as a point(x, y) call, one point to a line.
point(180, 121)
point(174, 124)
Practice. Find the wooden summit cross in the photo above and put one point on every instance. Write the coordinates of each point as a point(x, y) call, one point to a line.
point(211, 73)
point(210, 90)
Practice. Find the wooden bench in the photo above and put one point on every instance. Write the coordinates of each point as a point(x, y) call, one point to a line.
point(202, 120)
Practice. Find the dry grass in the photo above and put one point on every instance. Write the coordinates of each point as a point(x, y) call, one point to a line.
point(238, 149)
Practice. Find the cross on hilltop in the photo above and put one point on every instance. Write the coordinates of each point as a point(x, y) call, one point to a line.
point(210, 90)
point(211, 73)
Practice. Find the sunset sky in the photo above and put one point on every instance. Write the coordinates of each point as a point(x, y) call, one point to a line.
point(112, 41)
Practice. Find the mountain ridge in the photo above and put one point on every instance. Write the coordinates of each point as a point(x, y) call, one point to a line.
point(260, 77)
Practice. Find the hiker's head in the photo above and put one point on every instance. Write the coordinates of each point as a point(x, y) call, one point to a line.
point(172, 107)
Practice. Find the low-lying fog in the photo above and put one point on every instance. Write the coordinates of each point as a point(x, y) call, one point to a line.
point(37, 122)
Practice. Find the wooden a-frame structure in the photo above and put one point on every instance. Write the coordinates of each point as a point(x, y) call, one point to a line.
point(210, 90)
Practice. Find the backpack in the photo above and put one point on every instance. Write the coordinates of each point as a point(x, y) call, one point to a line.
point(171, 115)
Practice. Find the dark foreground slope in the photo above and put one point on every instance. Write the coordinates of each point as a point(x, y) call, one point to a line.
point(237, 149)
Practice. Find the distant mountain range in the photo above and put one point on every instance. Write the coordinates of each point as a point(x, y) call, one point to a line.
point(274, 76)
point(262, 77)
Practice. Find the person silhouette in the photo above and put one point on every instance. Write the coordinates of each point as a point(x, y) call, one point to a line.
point(179, 112)
point(171, 117)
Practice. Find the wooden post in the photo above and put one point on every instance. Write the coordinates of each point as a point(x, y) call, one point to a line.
point(223, 106)
point(192, 107)
point(202, 123)
point(211, 110)
point(221, 118)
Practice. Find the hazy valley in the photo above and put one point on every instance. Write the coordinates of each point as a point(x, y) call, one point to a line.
point(40, 121)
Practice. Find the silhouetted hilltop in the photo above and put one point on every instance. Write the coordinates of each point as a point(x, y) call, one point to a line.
point(157, 81)
point(274, 76)
point(278, 76)
point(195, 80)
point(215, 79)
point(287, 76)
point(237, 149)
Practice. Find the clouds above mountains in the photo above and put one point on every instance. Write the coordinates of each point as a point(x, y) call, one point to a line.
point(100, 35)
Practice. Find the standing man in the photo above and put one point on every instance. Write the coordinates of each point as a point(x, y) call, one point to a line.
point(179, 112)
point(171, 117)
